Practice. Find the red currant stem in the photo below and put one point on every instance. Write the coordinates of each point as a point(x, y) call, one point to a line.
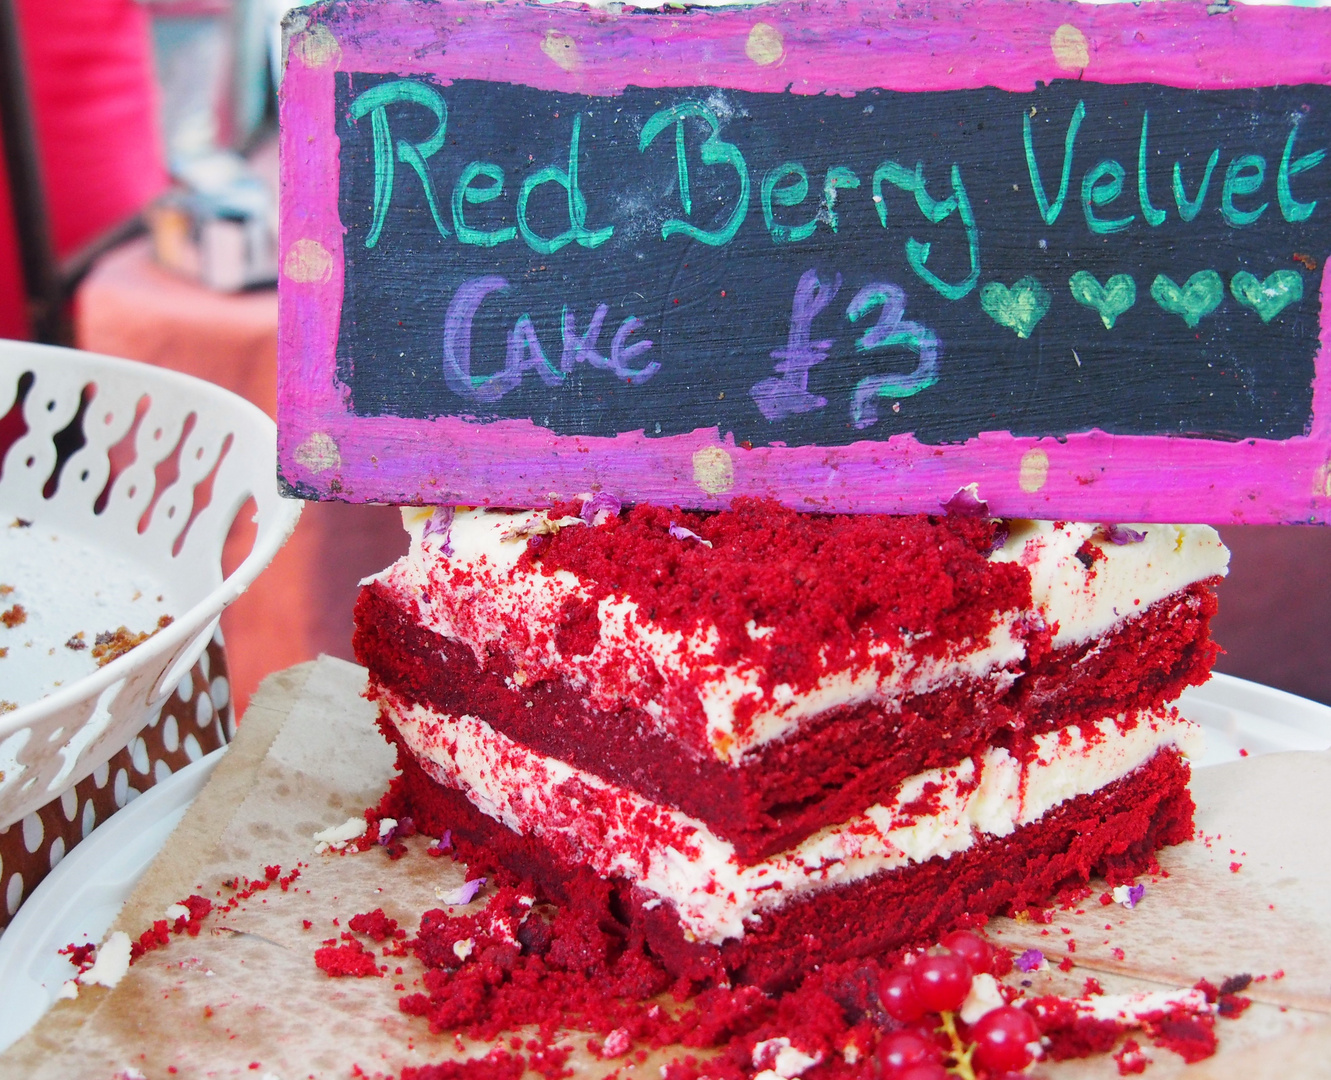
point(960, 1052)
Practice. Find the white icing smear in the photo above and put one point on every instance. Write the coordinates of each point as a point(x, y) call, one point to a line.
point(1085, 602)
point(583, 818)
point(1142, 1006)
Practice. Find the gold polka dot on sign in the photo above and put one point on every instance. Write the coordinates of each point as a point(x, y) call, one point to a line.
point(560, 48)
point(318, 453)
point(316, 47)
point(308, 262)
point(1071, 52)
point(713, 470)
point(764, 45)
point(1034, 471)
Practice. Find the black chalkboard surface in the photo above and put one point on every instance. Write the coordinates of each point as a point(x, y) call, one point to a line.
point(753, 333)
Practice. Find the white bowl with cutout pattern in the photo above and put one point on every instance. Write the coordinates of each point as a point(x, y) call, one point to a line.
point(119, 483)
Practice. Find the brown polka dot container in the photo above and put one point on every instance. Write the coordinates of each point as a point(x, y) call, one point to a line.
point(196, 719)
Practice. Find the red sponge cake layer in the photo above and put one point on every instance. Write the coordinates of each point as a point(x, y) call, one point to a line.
point(1113, 833)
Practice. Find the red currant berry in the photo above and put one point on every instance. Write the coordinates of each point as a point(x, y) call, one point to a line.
point(898, 997)
point(941, 982)
point(904, 1050)
point(1002, 1039)
point(972, 948)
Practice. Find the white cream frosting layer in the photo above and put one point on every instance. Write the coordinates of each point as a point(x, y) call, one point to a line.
point(585, 819)
point(678, 680)
point(1084, 602)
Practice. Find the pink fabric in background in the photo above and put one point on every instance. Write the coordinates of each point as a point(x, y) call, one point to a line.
point(89, 65)
point(13, 322)
point(90, 73)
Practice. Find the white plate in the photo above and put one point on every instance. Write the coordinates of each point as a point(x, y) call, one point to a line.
point(81, 897)
point(1240, 716)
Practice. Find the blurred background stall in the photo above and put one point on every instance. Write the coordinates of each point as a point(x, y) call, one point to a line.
point(137, 196)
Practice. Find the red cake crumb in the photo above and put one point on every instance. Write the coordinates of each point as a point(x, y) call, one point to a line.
point(351, 959)
point(1190, 1036)
point(818, 579)
point(199, 908)
point(81, 956)
point(1233, 1005)
point(155, 937)
point(377, 925)
point(1235, 984)
point(1130, 1058)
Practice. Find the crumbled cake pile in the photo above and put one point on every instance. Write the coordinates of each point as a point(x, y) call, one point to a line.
point(526, 977)
point(113, 644)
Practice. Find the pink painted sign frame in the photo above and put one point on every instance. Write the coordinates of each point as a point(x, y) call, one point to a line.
point(326, 451)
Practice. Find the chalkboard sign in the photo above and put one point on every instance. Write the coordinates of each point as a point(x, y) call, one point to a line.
point(1069, 258)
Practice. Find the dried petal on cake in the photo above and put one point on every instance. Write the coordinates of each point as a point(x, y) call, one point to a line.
point(463, 894)
point(681, 533)
point(441, 524)
point(967, 503)
point(1031, 960)
point(599, 507)
point(1121, 534)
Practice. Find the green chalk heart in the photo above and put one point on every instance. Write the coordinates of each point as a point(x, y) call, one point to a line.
point(1110, 300)
point(1018, 308)
point(1198, 298)
point(1270, 297)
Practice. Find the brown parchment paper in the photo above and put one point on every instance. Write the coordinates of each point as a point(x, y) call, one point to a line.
point(245, 999)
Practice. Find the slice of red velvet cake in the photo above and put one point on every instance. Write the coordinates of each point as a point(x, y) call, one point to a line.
point(763, 739)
